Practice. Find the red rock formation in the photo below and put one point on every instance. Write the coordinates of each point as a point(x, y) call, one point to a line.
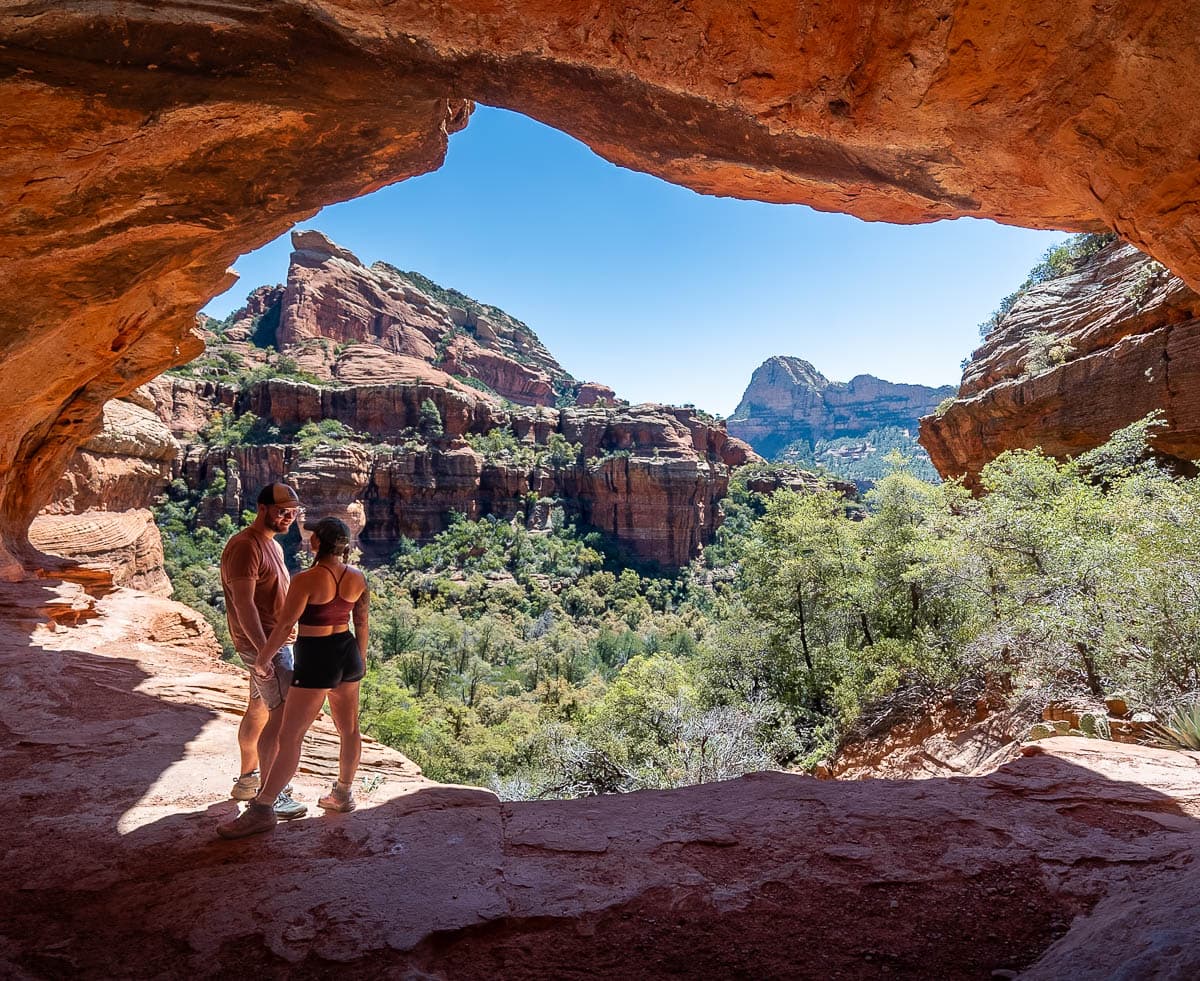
point(147, 146)
point(332, 300)
point(788, 400)
point(594, 393)
point(124, 545)
point(125, 465)
point(650, 476)
point(1075, 359)
point(1078, 861)
point(98, 516)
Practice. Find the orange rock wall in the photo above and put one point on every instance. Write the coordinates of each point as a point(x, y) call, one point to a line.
point(651, 476)
point(147, 146)
point(1128, 336)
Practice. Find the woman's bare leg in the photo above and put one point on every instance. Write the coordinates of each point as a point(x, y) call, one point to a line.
point(343, 706)
point(301, 709)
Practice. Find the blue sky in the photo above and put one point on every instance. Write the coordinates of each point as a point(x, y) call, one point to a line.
point(665, 294)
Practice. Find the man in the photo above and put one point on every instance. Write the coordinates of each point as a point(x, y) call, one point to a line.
point(255, 581)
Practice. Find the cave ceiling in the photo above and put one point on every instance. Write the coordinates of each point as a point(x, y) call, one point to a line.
point(147, 146)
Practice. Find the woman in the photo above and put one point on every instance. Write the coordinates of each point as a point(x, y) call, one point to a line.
point(330, 663)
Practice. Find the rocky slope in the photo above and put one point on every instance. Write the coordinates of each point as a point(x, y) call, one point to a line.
point(148, 146)
point(332, 301)
point(649, 476)
point(1076, 861)
point(1075, 359)
point(789, 405)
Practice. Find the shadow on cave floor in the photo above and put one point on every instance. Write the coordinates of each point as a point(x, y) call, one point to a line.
point(1079, 846)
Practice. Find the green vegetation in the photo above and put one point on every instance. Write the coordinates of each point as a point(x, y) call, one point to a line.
point(863, 459)
point(500, 445)
point(1181, 728)
point(1150, 272)
point(1058, 260)
point(228, 429)
point(192, 554)
point(531, 661)
point(429, 420)
point(1045, 351)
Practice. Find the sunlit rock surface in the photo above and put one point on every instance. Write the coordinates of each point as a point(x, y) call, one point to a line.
point(789, 400)
point(1078, 861)
point(147, 146)
point(1075, 359)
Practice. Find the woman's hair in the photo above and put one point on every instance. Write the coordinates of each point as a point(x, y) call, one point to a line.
point(332, 537)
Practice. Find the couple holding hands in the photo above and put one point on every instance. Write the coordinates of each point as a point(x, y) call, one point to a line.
point(266, 611)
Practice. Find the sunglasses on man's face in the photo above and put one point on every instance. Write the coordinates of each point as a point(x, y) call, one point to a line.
point(289, 513)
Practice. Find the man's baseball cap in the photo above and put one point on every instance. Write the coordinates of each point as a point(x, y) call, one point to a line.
point(279, 495)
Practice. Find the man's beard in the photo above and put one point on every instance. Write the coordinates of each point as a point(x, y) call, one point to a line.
point(278, 525)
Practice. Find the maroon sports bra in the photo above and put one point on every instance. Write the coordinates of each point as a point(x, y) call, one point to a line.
point(331, 614)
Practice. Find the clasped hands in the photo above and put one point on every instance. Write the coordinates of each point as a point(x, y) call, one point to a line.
point(264, 669)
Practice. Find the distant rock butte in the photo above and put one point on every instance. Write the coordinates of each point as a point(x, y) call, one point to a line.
point(1075, 359)
point(788, 400)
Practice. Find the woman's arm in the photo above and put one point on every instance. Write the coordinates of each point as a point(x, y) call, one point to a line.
point(361, 616)
point(293, 606)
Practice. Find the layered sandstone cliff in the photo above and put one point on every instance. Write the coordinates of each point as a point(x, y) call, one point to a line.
point(147, 146)
point(99, 516)
point(1075, 359)
point(649, 476)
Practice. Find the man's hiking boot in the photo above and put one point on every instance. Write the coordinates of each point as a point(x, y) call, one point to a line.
point(245, 787)
point(287, 809)
point(255, 819)
point(340, 798)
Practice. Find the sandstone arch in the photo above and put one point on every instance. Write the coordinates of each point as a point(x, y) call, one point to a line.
point(146, 146)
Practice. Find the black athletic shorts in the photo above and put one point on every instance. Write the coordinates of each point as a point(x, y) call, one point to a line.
point(326, 662)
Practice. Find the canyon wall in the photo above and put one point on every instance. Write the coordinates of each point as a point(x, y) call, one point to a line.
point(147, 146)
point(648, 476)
point(1075, 359)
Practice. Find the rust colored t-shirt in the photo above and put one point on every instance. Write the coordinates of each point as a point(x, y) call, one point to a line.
point(250, 556)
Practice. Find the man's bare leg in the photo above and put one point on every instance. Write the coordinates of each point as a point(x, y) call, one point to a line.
point(268, 741)
point(250, 732)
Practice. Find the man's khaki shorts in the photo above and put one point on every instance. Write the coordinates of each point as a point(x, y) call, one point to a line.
point(275, 689)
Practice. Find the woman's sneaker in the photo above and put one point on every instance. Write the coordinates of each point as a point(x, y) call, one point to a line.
point(340, 798)
point(287, 809)
point(245, 787)
point(255, 819)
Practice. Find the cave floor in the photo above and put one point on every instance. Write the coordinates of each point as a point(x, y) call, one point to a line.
point(1076, 860)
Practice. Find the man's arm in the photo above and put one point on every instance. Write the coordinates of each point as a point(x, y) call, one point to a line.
point(293, 606)
point(241, 595)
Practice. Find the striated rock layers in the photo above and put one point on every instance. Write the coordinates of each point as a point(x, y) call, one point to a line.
point(1075, 359)
point(98, 516)
point(789, 400)
point(148, 145)
point(332, 301)
point(1077, 861)
point(649, 476)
